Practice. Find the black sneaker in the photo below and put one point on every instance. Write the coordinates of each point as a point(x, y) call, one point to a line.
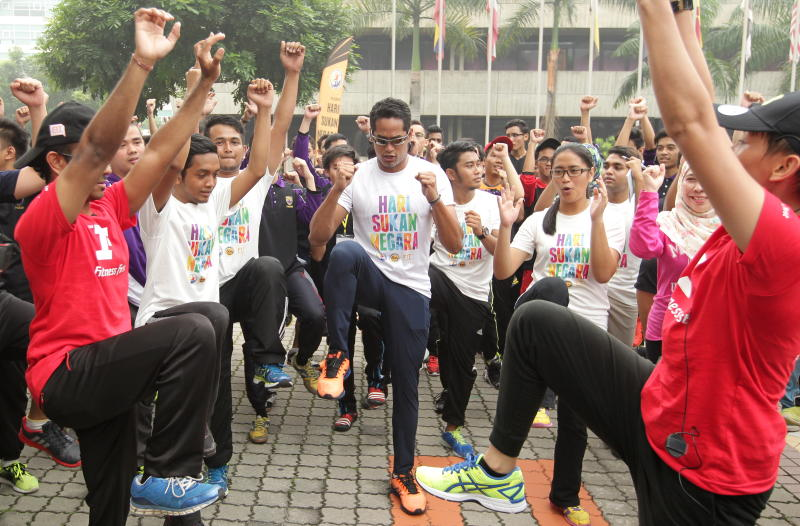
point(492, 372)
point(439, 402)
point(51, 439)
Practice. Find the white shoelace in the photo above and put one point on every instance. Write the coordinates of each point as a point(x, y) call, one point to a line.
point(181, 484)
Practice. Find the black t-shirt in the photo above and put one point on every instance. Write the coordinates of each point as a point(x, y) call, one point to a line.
point(13, 279)
point(518, 163)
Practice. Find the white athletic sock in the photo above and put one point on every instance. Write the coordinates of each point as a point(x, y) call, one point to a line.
point(36, 425)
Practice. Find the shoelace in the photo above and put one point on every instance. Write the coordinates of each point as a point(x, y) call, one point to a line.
point(182, 484)
point(458, 436)
point(470, 462)
point(18, 470)
point(55, 437)
point(408, 482)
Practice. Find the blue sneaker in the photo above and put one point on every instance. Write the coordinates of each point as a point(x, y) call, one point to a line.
point(173, 496)
point(218, 477)
point(455, 440)
point(272, 375)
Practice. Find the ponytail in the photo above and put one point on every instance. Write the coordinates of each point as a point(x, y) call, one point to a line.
point(549, 221)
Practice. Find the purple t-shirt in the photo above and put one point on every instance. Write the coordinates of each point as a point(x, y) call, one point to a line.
point(648, 241)
point(137, 266)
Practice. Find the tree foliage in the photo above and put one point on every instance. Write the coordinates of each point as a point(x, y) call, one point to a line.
point(88, 43)
point(19, 66)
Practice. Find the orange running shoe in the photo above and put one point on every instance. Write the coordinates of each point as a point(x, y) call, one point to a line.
point(332, 372)
point(412, 500)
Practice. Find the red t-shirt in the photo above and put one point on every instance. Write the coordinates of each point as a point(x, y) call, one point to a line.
point(733, 322)
point(78, 275)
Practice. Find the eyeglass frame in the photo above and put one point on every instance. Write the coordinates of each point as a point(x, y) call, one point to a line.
point(554, 172)
point(395, 141)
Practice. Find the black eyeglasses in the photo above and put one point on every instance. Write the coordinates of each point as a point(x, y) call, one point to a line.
point(514, 135)
point(572, 172)
point(382, 141)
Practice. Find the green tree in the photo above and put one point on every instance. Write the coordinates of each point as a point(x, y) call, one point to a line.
point(461, 36)
point(18, 66)
point(522, 25)
point(723, 44)
point(88, 42)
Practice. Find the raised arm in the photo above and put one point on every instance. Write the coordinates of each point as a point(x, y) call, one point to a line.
point(689, 117)
point(292, 55)
point(31, 93)
point(330, 214)
point(163, 148)
point(150, 106)
point(101, 139)
point(513, 177)
point(645, 239)
point(444, 216)
point(536, 137)
point(603, 259)
point(588, 103)
point(261, 93)
point(506, 259)
point(301, 143)
point(637, 111)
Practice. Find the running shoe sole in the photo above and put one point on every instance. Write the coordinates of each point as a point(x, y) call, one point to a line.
point(145, 511)
point(16, 488)
point(486, 502)
point(28, 442)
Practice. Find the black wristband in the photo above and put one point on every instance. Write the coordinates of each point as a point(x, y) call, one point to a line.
point(682, 5)
point(438, 197)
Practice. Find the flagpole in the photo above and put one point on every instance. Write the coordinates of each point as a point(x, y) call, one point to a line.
point(394, 42)
point(794, 75)
point(743, 62)
point(591, 50)
point(539, 64)
point(489, 52)
point(640, 63)
point(439, 56)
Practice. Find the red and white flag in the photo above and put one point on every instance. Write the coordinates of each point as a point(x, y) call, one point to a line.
point(794, 34)
point(493, 8)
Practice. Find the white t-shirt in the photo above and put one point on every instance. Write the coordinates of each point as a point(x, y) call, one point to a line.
point(238, 230)
point(182, 252)
point(471, 269)
point(392, 219)
point(566, 255)
point(622, 286)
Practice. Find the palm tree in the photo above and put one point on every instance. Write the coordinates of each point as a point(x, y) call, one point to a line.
point(722, 45)
point(461, 36)
point(521, 24)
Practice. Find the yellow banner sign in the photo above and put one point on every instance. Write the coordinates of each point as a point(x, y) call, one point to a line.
point(331, 88)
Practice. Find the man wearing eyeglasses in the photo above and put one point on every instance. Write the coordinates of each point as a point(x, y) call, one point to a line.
point(517, 130)
point(395, 201)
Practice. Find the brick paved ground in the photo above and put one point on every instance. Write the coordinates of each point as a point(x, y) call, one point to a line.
point(307, 474)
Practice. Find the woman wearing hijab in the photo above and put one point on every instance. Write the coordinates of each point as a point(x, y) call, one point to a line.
point(672, 237)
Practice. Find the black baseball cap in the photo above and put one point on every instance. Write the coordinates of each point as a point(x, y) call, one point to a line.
point(547, 143)
point(780, 115)
point(64, 125)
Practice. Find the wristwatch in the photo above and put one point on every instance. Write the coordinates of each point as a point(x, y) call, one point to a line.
point(682, 5)
point(485, 232)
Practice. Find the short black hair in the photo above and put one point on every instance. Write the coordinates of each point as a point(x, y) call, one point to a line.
point(343, 150)
point(390, 108)
point(448, 158)
point(637, 137)
point(12, 134)
point(624, 151)
point(661, 135)
point(200, 145)
point(225, 120)
point(332, 138)
point(417, 122)
point(322, 139)
point(433, 128)
point(519, 123)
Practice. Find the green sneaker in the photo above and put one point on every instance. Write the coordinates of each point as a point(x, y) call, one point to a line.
point(308, 373)
point(16, 475)
point(468, 481)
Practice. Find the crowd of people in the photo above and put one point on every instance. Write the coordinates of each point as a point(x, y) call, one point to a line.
point(126, 258)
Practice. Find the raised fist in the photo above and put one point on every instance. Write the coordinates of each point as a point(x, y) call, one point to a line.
point(588, 103)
